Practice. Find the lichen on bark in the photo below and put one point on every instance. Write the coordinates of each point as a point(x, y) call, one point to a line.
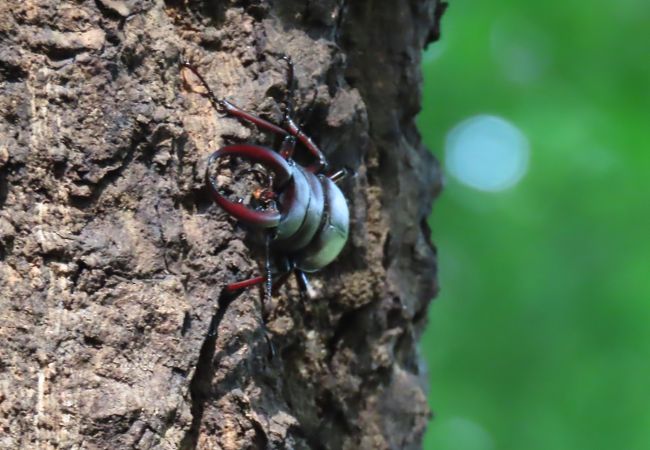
point(113, 257)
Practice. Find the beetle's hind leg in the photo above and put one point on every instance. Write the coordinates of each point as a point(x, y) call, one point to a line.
point(305, 287)
point(288, 146)
point(341, 174)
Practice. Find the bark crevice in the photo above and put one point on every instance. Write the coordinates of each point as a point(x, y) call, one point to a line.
point(201, 381)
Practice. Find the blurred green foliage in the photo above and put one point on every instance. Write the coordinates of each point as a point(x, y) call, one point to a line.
point(540, 337)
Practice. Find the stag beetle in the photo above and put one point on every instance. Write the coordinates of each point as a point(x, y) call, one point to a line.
point(302, 210)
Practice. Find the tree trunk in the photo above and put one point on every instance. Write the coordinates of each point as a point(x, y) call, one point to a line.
point(113, 256)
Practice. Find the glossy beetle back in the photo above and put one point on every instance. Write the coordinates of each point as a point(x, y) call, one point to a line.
point(313, 219)
point(312, 214)
point(332, 234)
point(294, 201)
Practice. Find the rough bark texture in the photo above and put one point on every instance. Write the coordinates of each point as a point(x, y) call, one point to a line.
point(112, 255)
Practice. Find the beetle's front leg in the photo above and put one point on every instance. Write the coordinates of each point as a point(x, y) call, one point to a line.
point(294, 130)
point(288, 146)
point(240, 114)
point(341, 174)
point(226, 107)
point(240, 286)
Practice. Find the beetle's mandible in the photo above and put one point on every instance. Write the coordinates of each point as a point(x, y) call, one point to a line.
point(301, 210)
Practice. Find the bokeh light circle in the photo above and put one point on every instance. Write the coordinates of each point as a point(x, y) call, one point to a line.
point(487, 153)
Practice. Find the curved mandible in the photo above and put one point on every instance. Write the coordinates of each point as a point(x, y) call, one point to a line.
point(255, 153)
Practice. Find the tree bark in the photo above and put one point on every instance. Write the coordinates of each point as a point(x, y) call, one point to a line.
point(113, 256)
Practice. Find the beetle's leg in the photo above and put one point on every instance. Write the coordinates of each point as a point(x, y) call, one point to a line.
point(280, 281)
point(340, 174)
point(293, 128)
point(243, 285)
point(226, 107)
point(287, 270)
point(232, 291)
point(239, 113)
point(303, 284)
point(271, 283)
point(288, 145)
point(240, 286)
